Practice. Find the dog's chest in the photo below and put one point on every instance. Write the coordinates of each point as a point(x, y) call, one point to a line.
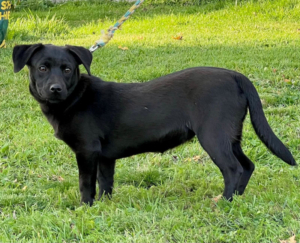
point(56, 126)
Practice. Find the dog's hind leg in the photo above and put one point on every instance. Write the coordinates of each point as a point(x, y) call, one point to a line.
point(247, 165)
point(105, 176)
point(218, 146)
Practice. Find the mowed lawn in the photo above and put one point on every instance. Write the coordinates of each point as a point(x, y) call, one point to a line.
point(157, 197)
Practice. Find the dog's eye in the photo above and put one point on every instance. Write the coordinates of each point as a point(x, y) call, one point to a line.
point(67, 70)
point(43, 69)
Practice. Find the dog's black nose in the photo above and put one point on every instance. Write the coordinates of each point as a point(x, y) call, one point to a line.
point(55, 88)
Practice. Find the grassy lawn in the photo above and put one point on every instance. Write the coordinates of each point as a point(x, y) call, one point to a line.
point(157, 197)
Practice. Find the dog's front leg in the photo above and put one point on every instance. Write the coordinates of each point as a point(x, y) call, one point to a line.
point(105, 176)
point(87, 165)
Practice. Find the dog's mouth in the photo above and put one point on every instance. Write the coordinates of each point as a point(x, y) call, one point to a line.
point(54, 101)
point(45, 96)
point(53, 98)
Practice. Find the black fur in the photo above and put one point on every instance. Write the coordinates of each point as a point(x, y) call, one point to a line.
point(105, 121)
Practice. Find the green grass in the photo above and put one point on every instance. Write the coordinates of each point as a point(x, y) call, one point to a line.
point(157, 198)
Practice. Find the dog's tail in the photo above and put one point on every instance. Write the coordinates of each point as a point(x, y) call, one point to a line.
point(260, 123)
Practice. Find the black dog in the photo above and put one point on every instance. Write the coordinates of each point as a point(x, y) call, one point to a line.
point(104, 121)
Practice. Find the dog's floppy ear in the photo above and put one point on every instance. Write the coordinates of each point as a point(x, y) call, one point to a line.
point(82, 55)
point(22, 54)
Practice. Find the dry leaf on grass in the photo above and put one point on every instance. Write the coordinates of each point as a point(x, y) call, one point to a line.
point(57, 178)
point(14, 215)
point(24, 188)
point(289, 240)
point(196, 158)
point(123, 48)
point(178, 37)
point(217, 198)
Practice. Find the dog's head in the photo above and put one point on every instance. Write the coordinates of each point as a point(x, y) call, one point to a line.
point(54, 70)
